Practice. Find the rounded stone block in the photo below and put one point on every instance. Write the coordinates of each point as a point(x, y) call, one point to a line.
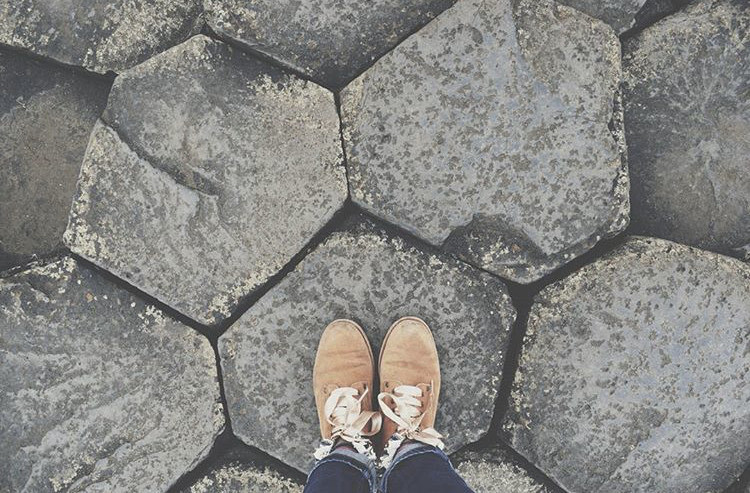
point(46, 116)
point(620, 14)
point(488, 133)
point(331, 41)
point(209, 171)
point(100, 391)
point(98, 35)
point(365, 274)
point(635, 372)
point(236, 477)
point(492, 470)
point(688, 119)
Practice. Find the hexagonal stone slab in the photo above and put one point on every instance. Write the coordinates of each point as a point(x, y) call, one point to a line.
point(487, 133)
point(209, 172)
point(620, 14)
point(494, 471)
point(688, 115)
point(331, 41)
point(634, 373)
point(240, 477)
point(267, 355)
point(100, 391)
point(99, 35)
point(46, 116)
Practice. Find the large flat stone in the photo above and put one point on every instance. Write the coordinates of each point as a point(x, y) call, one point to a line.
point(101, 392)
point(634, 373)
point(236, 477)
point(331, 41)
point(46, 116)
point(620, 14)
point(688, 121)
point(493, 471)
point(267, 355)
point(99, 35)
point(487, 133)
point(209, 171)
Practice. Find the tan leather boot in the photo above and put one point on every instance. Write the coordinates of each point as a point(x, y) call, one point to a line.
point(409, 386)
point(343, 379)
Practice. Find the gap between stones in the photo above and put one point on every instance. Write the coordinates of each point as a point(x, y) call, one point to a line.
point(75, 69)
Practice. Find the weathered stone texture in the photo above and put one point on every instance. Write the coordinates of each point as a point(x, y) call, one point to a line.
point(494, 471)
point(100, 392)
point(487, 132)
point(688, 120)
point(209, 171)
point(245, 478)
point(329, 40)
point(366, 275)
point(46, 115)
point(99, 35)
point(620, 14)
point(634, 373)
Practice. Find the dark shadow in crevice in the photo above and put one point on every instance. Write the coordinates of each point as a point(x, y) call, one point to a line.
point(51, 62)
point(337, 101)
point(742, 485)
point(652, 12)
point(229, 450)
point(26, 263)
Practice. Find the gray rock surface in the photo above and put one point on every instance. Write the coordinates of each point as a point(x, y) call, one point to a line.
point(487, 132)
point(101, 392)
point(688, 121)
point(99, 35)
point(620, 14)
point(46, 115)
point(209, 171)
point(634, 373)
point(494, 471)
point(245, 478)
point(375, 279)
point(329, 40)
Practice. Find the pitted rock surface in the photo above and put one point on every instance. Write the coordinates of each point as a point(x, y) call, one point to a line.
point(99, 35)
point(209, 171)
point(46, 116)
point(487, 133)
point(494, 471)
point(363, 273)
point(245, 478)
point(331, 41)
point(688, 121)
point(101, 392)
point(620, 14)
point(634, 372)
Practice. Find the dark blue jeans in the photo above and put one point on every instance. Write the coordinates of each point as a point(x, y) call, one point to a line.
point(419, 469)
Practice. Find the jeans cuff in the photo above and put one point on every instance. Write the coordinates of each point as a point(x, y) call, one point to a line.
point(410, 450)
point(352, 458)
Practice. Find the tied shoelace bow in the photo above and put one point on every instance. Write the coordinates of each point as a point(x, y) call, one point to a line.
point(343, 411)
point(408, 418)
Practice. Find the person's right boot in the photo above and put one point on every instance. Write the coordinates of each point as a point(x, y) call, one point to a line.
point(409, 386)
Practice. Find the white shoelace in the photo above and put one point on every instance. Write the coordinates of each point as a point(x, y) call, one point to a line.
point(343, 411)
point(408, 417)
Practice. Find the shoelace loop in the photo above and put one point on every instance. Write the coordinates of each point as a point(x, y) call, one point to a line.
point(343, 411)
point(408, 416)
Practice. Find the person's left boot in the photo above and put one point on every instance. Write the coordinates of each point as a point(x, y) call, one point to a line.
point(343, 378)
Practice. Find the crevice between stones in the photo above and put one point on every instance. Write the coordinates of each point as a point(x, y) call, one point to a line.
point(51, 62)
point(652, 12)
point(742, 485)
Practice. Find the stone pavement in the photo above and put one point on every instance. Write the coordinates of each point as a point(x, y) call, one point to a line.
point(191, 190)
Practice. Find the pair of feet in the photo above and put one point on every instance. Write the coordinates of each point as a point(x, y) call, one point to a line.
point(409, 381)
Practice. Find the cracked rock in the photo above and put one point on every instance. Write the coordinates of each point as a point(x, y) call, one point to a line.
point(494, 471)
point(330, 41)
point(487, 132)
point(634, 370)
point(99, 35)
point(688, 116)
point(374, 278)
point(101, 392)
point(209, 171)
point(46, 115)
point(620, 14)
point(245, 478)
